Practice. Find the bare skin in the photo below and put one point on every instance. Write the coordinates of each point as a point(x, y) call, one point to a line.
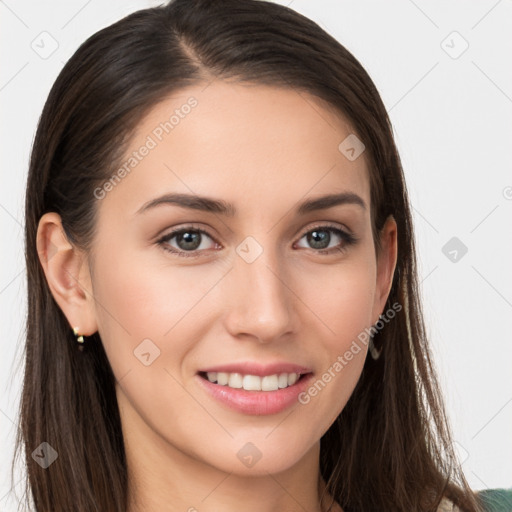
point(265, 150)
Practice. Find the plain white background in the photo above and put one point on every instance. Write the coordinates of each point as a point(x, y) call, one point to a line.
point(441, 69)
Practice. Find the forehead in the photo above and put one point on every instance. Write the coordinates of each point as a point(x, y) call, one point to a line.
point(246, 143)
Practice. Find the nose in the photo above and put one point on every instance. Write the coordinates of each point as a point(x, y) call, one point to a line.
point(261, 299)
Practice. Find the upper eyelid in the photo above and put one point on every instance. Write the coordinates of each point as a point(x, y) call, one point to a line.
point(318, 224)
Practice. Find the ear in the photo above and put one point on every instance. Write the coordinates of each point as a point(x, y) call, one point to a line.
point(67, 274)
point(386, 263)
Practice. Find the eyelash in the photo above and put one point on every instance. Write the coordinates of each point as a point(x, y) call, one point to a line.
point(348, 239)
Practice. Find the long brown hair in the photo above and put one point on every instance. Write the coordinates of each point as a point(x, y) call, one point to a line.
point(390, 448)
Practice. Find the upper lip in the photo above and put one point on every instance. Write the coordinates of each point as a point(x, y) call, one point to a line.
point(261, 370)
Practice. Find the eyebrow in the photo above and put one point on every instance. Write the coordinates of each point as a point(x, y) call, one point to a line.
point(218, 206)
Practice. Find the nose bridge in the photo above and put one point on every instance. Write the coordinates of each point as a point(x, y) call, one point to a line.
point(262, 299)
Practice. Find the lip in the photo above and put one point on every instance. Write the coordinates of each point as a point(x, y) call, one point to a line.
point(260, 370)
point(256, 403)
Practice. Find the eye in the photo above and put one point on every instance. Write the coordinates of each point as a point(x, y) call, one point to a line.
point(320, 239)
point(188, 239)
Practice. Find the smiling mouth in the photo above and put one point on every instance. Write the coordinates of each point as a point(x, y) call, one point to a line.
point(253, 382)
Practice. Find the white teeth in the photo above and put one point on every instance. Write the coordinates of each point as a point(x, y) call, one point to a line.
point(270, 383)
point(235, 380)
point(222, 378)
point(283, 380)
point(292, 379)
point(251, 383)
point(254, 382)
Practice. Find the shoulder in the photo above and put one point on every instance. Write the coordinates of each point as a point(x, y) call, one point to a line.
point(447, 505)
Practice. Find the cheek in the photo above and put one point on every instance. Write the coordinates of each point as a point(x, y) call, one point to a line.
point(342, 299)
point(140, 300)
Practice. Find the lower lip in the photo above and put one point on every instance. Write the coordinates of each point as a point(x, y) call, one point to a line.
point(256, 402)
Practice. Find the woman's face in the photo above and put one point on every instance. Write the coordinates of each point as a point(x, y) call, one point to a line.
point(252, 284)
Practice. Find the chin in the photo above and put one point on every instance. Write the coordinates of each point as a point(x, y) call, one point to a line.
point(258, 455)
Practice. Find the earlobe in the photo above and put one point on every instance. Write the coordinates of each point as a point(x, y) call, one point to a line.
point(66, 272)
point(386, 264)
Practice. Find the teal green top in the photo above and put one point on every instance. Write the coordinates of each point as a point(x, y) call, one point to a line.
point(496, 500)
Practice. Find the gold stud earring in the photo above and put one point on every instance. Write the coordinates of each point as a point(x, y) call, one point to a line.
point(79, 338)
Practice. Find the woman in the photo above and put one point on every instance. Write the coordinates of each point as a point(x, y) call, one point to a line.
point(224, 309)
